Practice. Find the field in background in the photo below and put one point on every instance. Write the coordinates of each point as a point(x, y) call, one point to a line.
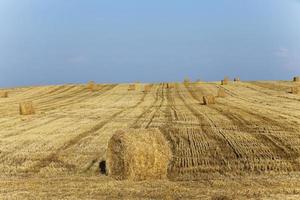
point(246, 145)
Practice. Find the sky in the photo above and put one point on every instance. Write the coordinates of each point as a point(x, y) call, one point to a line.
point(112, 41)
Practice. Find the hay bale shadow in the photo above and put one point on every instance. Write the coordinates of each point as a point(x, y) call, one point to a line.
point(102, 167)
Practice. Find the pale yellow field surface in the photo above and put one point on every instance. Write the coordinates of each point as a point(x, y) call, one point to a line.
point(245, 146)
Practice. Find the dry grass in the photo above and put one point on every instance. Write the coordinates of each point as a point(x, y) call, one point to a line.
point(252, 132)
point(210, 99)
point(221, 93)
point(100, 187)
point(3, 94)
point(138, 155)
point(26, 108)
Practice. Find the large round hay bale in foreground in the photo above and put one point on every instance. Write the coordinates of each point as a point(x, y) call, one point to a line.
point(3, 94)
point(138, 154)
point(26, 108)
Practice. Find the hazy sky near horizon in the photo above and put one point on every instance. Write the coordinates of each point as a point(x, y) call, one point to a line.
point(74, 41)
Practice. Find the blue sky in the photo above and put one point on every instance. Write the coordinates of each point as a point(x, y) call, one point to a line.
point(74, 41)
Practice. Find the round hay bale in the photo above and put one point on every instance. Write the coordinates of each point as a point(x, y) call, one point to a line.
point(210, 99)
point(132, 87)
point(186, 80)
point(224, 82)
point(3, 94)
point(296, 79)
point(221, 93)
point(138, 155)
point(170, 85)
point(147, 88)
point(294, 90)
point(92, 86)
point(26, 108)
point(237, 79)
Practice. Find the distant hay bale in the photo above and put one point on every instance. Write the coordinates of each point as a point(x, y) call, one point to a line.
point(295, 90)
point(224, 82)
point(3, 94)
point(131, 87)
point(26, 108)
point(237, 79)
point(296, 79)
point(136, 154)
point(92, 86)
point(170, 86)
point(186, 81)
point(221, 92)
point(210, 99)
point(147, 88)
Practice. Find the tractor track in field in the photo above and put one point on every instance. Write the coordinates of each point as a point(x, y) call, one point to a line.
point(209, 127)
point(262, 118)
point(38, 96)
point(53, 157)
point(169, 129)
point(238, 119)
point(69, 98)
point(8, 153)
point(74, 98)
point(257, 102)
point(136, 123)
point(270, 94)
point(158, 108)
point(278, 148)
point(158, 96)
point(165, 130)
point(23, 131)
point(60, 97)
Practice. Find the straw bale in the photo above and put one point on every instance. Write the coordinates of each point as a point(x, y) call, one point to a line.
point(138, 154)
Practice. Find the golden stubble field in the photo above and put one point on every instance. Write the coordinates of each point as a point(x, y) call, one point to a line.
point(246, 145)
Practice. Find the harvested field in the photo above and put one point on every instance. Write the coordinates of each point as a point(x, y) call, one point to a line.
point(244, 146)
